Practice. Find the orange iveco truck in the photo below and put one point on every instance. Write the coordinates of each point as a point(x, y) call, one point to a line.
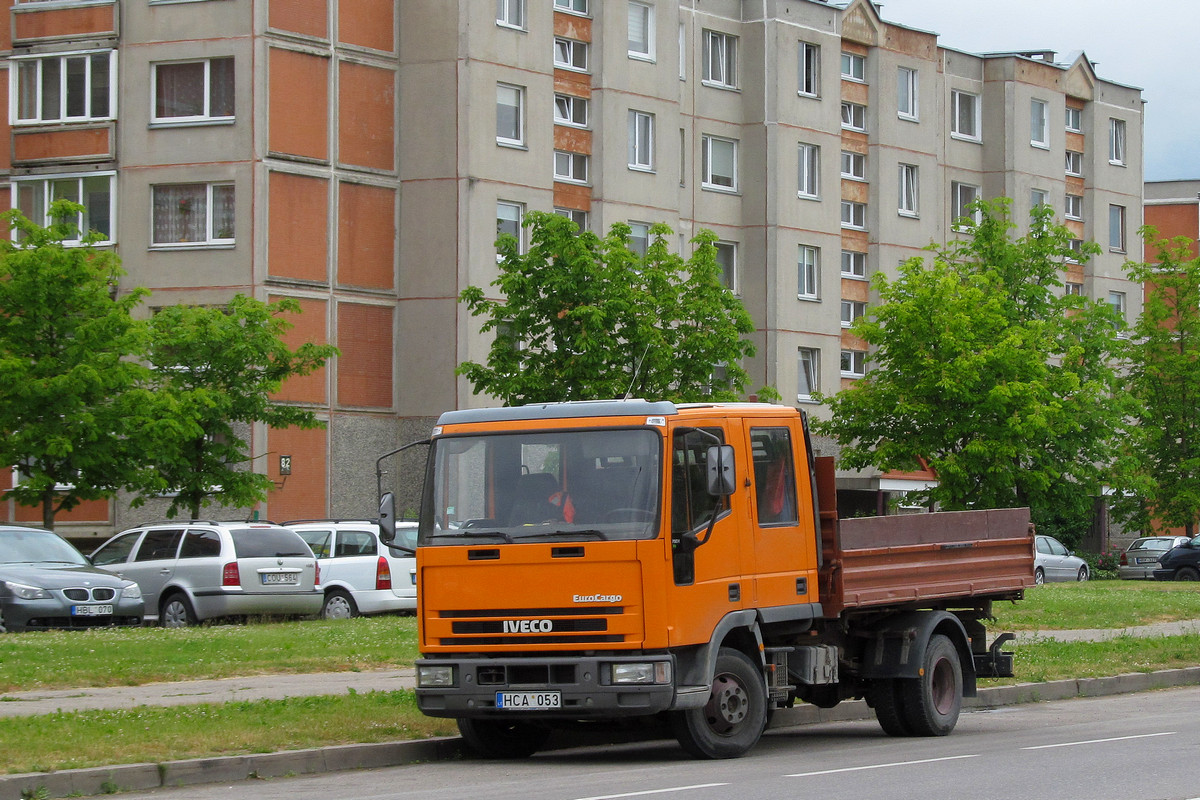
point(611, 559)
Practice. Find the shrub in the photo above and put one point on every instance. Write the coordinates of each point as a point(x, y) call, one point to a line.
point(1102, 565)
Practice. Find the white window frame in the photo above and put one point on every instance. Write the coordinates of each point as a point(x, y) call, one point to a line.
point(854, 116)
point(577, 216)
point(708, 178)
point(639, 237)
point(808, 272)
point(852, 310)
point(1039, 123)
point(510, 14)
point(207, 116)
point(641, 141)
point(720, 59)
point(517, 140)
point(727, 259)
point(854, 215)
point(641, 50)
point(512, 214)
point(567, 107)
point(580, 7)
point(1116, 300)
point(908, 97)
point(1076, 246)
point(1074, 163)
point(809, 70)
point(960, 101)
point(854, 67)
point(808, 373)
point(1038, 197)
point(854, 166)
point(1073, 206)
point(1117, 142)
point(909, 194)
point(853, 363)
point(45, 186)
point(962, 194)
point(854, 265)
point(571, 54)
point(1074, 120)
point(35, 66)
point(1116, 229)
point(808, 184)
point(211, 237)
point(1072, 289)
point(571, 167)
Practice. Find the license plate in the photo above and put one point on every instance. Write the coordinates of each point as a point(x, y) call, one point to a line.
point(280, 577)
point(1145, 560)
point(92, 611)
point(528, 701)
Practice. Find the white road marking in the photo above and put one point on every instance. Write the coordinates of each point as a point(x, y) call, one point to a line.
point(655, 791)
point(878, 766)
point(1100, 741)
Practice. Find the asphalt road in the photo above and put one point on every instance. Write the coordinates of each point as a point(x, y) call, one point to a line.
point(1125, 747)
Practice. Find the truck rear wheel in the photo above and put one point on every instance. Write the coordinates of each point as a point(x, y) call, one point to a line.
point(733, 719)
point(889, 710)
point(931, 702)
point(497, 738)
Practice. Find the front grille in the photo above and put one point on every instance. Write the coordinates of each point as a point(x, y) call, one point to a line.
point(82, 594)
point(526, 675)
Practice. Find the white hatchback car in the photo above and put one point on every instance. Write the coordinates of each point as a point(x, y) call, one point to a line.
point(360, 574)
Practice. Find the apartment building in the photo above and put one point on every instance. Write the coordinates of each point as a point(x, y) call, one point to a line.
point(360, 155)
point(1173, 209)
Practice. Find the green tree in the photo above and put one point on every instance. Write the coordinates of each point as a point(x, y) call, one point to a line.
point(1002, 385)
point(1159, 471)
point(73, 397)
point(218, 368)
point(582, 317)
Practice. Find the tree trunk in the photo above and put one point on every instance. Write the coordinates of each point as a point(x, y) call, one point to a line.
point(48, 509)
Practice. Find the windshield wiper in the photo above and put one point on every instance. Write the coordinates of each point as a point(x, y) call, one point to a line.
point(592, 532)
point(471, 532)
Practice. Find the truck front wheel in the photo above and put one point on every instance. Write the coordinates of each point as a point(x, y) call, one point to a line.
point(499, 738)
point(734, 717)
point(931, 702)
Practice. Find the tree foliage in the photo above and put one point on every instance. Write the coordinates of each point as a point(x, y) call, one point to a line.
point(983, 371)
point(73, 400)
point(582, 317)
point(1159, 471)
point(217, 368)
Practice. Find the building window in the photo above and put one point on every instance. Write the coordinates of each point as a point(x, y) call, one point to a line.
point(962, 195)
point(727, 261)
point(854, 215)
point(639, 237)
point(1039, 123)
point(95, 192)
point(192, 213)
point(852, 310)
point(1074, 120)
point(1116, 228)
point(1076, 246)
point(909, 190)
point(573, 6)
point(1074, 163)
point(854, 67)
point(1116, 142)
point(571, 167)
point(1038, 197)
point(854, 264)
point(1117, 301)
point(720, 163)
point(810, 70)
point(906, 94)
point(808, 363)
point(193, 91)
point(808, 273)
point(1073, 289)
point(854, 363)
point(580, 218)
point(641, 141)
point(854, 166)
point(964, 115)
point(571, 110)
point(65, 88)
point(854, 116)
point(720, 59)
point(510, 114)
point(570, 54)
point(510, 13)
point(508, 221)
point(641, 31)
point(1074, 206)
point(810, 171)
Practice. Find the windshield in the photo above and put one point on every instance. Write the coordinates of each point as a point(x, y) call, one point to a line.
point(554, 486)
point(37, 547)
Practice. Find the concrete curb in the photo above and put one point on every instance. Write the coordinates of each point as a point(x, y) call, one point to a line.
point(140, 777)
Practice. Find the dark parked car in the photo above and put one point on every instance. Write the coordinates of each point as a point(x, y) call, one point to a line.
point(1140, 559)
point(1181, 563)
point(46, 583)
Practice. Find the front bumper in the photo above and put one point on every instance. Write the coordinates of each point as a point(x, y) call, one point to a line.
point(52, 613)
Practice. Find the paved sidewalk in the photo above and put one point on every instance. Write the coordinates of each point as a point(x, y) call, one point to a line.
point(1104, 634)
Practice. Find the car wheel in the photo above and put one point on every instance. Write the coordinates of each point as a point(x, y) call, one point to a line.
point(176, 612)
point(1083, 573)
point(1039, 576)
point(1187, 574)
point(338, 605)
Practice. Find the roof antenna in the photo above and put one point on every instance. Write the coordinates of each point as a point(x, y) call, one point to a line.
point(637, 368)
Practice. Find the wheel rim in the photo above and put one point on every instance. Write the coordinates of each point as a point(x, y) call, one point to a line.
point(941, 686)
point(728, 706)
point(1039, 577)
point(337, 607)
point(174, 615)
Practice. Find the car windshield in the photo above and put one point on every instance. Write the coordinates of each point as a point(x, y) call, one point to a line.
point(268, 543)
point(551, 486)
point(37, 547)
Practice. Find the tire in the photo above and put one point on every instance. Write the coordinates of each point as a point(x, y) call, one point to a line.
point(1083, 574)
point(339, 605)
point(497, 738)
point(1039, 576)
point(1187, 574)
point(176, 612)
point(733, 719)
point(931, 703)
point(885, 699)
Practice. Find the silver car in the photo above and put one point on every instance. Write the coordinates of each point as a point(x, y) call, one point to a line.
point(200, 570)
point(1140, 559)
point(360, 574)
point(1052, 561)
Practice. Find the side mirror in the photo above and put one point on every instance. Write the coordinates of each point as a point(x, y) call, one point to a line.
point(720, 470)
point(387, 518)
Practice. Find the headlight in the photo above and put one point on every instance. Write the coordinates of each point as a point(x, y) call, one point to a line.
point(650, 672)
point(25, 592)
point(131, 591)
point(435, 675)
